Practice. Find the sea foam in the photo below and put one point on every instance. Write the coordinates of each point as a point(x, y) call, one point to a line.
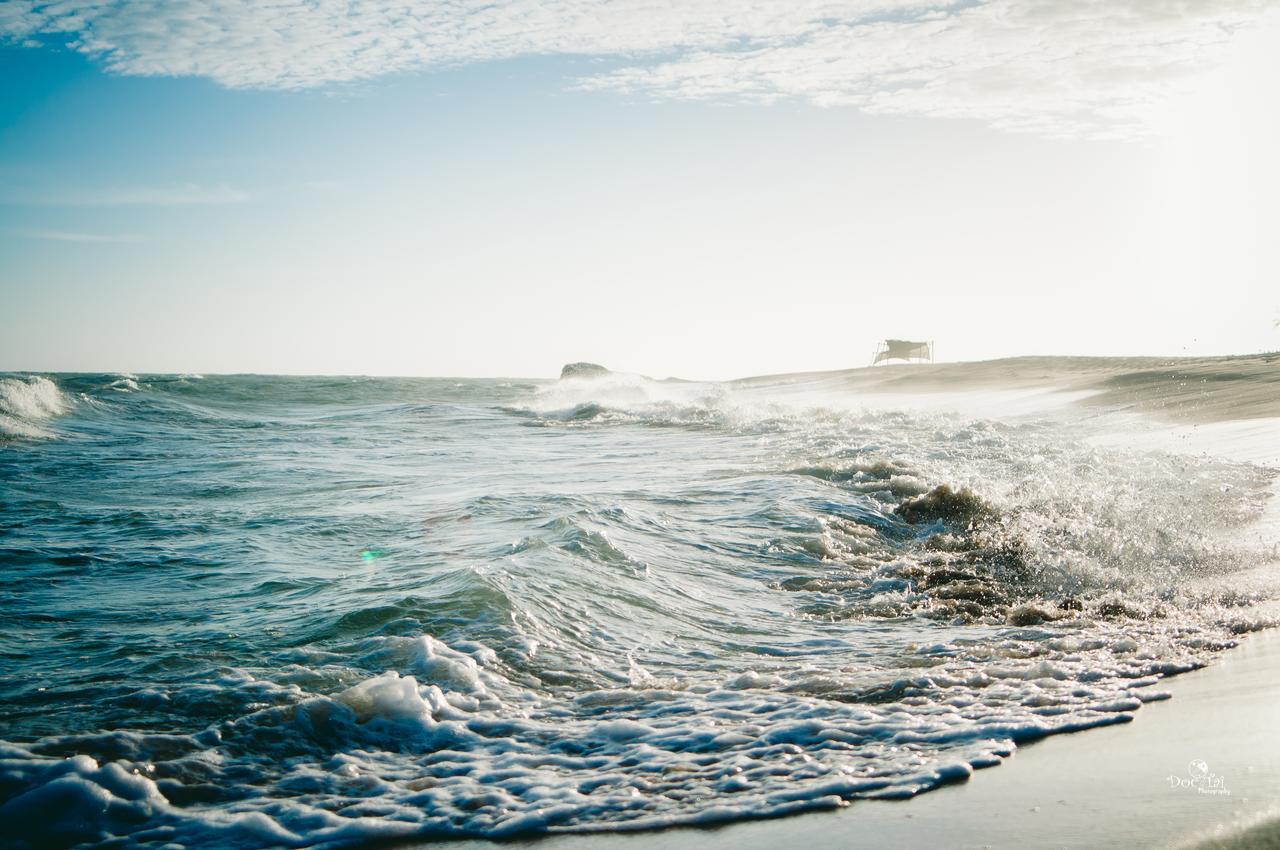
point(25, 402)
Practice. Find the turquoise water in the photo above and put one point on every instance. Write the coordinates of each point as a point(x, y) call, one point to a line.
point(258, 611)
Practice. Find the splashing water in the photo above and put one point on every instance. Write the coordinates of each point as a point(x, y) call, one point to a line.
point(298, 611)
point(26, 401)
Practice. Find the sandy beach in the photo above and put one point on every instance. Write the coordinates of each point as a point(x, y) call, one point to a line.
point(1178, 389)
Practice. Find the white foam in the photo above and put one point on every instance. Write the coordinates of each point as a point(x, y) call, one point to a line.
point(446, 666)
point(987, 403)
point(627, 397)
point(389, 696)
point(124, 384)
point(1251, 441)
point(27, 401)
point(1254, 441)
point(34, 397)
point(623, 393)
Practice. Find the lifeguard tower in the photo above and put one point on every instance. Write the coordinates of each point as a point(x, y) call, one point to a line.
point(905, 350)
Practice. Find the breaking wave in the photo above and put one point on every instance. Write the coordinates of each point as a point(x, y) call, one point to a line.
point(398, 608)
point(25, 403)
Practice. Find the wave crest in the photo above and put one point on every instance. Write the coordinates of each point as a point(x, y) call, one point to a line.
point(26, 401)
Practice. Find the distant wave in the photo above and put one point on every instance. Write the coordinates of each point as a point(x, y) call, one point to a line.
point(25, 402)
point(126, 383)
point(622, 395)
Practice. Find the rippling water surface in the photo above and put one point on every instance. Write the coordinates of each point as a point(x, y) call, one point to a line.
point(252, 611)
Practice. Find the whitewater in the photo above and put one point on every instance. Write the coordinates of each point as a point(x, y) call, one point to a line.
point(247, 611)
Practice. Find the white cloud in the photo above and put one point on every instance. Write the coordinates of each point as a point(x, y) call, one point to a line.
point(70, 236)
point(301, 43)
point(1086, 67)
point(1058, 67)
point(19, 18)
point(185, 195)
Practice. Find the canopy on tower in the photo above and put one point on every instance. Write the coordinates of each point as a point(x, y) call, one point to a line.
point(902, 349)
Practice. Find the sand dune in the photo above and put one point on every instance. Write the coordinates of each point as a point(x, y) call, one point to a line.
point(1201, 389)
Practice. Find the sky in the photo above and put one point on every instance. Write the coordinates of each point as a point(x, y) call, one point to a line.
point(707, 188)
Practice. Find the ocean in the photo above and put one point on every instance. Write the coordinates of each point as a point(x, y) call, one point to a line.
point(247, 611)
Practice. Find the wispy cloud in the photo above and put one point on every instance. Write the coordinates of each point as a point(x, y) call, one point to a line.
point(71, 236)
point(183, 195)
point(1093, 68)
point(1057, 67)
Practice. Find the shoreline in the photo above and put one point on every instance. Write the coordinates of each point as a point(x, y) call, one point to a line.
point(1127, 785)
point(1176, 390)
point(1132, 784)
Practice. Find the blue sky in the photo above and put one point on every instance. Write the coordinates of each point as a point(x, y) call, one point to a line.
point(732, 191)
